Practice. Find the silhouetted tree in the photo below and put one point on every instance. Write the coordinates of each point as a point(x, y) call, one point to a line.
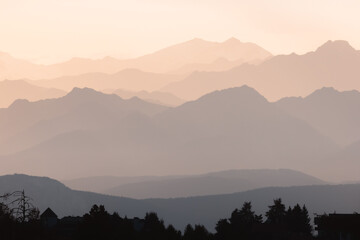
point(6, 222)
point(199, 232)
point(154, 228)
point(276, 213)
point(96, 224)
point(298, 220)
point(223, 230)
point(172, 233)
point(188, 232)
point(21, 207)
point(239, 225)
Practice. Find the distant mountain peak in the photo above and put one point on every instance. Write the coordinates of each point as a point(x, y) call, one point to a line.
point(243, 93)
point(324, 92)
point(337, 46)
point(83, 93)
point(4, 55)
point(327, 90)
point(332, 93)
point(19, 102)
point(77, 90)
point(197, 40)
point(194, 41)
point(232, 40)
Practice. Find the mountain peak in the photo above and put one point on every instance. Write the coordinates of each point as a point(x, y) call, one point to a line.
point(19, 102)
point(84, 93)
point(243, 93)
point(337, 46)
point(232, 40)
point(85, 90)
point(332, 93)
point(4, 55)
point(196, 41)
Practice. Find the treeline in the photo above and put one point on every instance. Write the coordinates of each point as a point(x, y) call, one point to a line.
point(279, 222)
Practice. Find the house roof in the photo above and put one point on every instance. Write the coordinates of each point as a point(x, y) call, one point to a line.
point(48, 213)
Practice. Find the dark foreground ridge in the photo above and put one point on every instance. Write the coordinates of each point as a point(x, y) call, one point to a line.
point(179, 212)
point(19, 219)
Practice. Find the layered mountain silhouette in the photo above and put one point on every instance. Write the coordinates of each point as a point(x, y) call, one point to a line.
point(206, 210)
point(198, 51)
point(10, 66)
point(229, 129)
point(334, 64)
point(344, 165)
point(221, 64)
point(333, 113)
point(20, 89)
point(157, 97)
point(195, 185)
point(170, 59)
point(25, 124)
point(129, 79)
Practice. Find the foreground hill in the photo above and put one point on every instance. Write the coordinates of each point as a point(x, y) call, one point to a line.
point(333, 113)
point(230, 129)
point(19, 89)
point(205, 210)
point(335, 64)
point(195, 185)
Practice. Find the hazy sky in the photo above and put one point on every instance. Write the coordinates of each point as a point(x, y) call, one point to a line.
point(53, 30)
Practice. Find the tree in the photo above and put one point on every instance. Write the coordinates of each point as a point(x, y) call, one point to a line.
point(223, 230)
point(298, 220)
point(96, 224)
point(188, 232)
point(172, 233)
point(199, 232)
point(276, 213)
point(21, 207)
point(245, 215)
point(242, 221)
point(154, 228)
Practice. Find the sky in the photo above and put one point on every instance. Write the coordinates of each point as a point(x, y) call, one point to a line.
point(48, 31)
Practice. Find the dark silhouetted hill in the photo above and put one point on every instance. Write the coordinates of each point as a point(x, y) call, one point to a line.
point(205, 210)
point(213, 183)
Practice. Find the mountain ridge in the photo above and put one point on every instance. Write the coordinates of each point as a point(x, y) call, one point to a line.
point(296, 75)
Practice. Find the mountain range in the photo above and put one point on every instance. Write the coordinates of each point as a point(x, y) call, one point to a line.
point(334, 64)
point(20, 89)
point(331, 112)
point(162, 98)
point(193, 185)
point(275, 77)
point(170, 59)
point(25, 124)
point(129, 79)
point(222, 130)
